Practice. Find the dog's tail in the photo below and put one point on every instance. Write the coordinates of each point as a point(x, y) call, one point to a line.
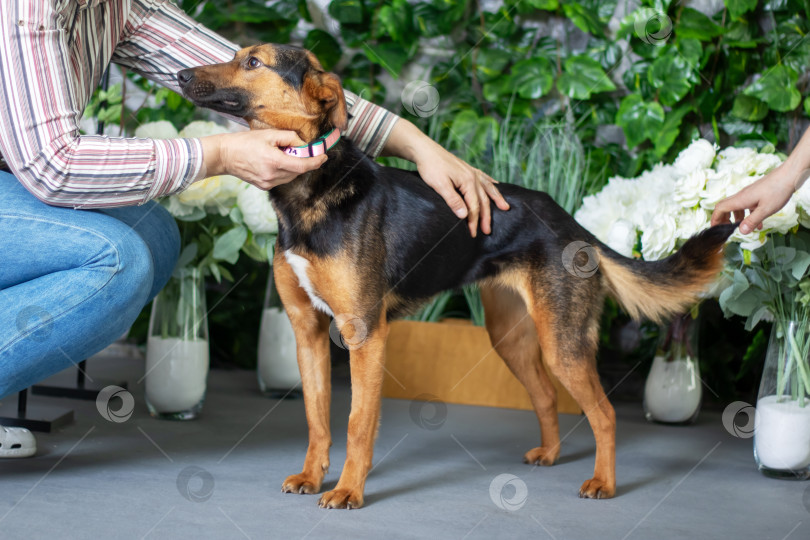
point(658, 289)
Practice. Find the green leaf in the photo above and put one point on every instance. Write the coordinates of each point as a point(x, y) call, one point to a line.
point(111, 114)
point(694, 24)
point(325, 47)
point(691, 50)
point(583, 18)
point(473, 133)
point(738, 7)
point(670, 74)
point(214, 267)
point(490, 63)
point(807, 105)
point(546, 5)
point(670, 130)
point(749, 108)
point(582, 77)
point(187, 255)
point(227, 246)
point(493, 90)
point(196, 215)
point(783, 255)
point(777, 88)
point(389, 55)
point(396, 19)
point(639, 119)
point(800, 264)
point(532, 78)
point(346, 11)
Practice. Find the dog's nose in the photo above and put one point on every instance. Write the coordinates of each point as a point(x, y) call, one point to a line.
point(185, 76)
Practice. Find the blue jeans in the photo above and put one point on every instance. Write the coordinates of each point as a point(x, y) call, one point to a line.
point(73, 281)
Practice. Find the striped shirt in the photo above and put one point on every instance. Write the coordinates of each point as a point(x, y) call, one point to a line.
point(52, 56)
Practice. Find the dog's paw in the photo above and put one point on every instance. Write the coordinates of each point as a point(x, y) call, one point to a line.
point(596, 489)
point(341, 498)
point(301, 483)
point(542, 456)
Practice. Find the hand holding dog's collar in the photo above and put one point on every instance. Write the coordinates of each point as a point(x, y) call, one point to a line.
point(319, 146)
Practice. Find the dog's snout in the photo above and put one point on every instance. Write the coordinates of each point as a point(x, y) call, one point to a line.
point(185, 76)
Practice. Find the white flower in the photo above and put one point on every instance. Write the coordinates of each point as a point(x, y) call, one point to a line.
point(689, 187)
point(719, 185)
point(622, 237)
point(764, 162)
point(215, 192)
point(750, 241)
point(698, 155)
point(176, 208)
point(198, 129)
point(256, 210)
point(658, 238)
point(162, 129)
point(783, 220)
point(802, 198)
point(691, 221)
point(735, 160)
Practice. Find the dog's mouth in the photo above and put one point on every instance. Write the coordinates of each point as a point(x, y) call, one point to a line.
point(231, 101)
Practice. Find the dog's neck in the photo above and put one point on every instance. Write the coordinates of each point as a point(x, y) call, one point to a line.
point(304, 202)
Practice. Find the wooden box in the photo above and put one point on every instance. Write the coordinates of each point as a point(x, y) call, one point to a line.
point(454, 361)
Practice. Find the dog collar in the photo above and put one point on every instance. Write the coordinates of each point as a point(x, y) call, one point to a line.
point(319, 146)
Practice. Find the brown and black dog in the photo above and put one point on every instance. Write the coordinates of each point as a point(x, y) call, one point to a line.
point(366, 243)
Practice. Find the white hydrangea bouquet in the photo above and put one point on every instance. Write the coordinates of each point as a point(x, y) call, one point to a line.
point(220, 216)
point(651, 216)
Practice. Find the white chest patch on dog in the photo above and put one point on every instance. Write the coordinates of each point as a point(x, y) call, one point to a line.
point(300, 266)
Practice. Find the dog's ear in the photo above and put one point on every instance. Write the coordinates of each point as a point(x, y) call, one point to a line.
point(325, 90)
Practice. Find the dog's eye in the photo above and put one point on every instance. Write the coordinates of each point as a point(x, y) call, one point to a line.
point(253, 62)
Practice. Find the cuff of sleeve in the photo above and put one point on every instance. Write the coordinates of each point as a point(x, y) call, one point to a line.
point(369, 125)
point(177, 164)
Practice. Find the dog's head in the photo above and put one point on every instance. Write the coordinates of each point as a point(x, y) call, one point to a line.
point(274, 86)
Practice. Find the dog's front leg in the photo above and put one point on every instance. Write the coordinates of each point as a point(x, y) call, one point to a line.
point(311, 329)
point(367, 366)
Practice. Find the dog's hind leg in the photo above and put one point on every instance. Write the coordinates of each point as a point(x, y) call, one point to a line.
point(568, 333)
point(513, 335)
point(367, 359)
point(311, 329)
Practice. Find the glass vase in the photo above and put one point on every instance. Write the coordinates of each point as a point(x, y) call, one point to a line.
point(277, 366)
point(673, 390)
point(782, 420)
point(177, 348)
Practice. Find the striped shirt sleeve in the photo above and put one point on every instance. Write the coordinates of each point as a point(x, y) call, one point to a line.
point(39, 135)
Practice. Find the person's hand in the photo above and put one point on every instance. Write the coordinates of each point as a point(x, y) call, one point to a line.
point(255, 157)
point(763, 198)
point(453, 179)
point(465, 189)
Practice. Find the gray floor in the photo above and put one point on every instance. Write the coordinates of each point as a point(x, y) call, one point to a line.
point(98, 479)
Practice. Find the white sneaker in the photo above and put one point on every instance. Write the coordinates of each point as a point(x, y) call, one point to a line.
point(16, 442)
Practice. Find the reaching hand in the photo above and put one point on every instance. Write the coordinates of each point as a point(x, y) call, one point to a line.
point(763, 198)
point(453, 179)
point(465, 189)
